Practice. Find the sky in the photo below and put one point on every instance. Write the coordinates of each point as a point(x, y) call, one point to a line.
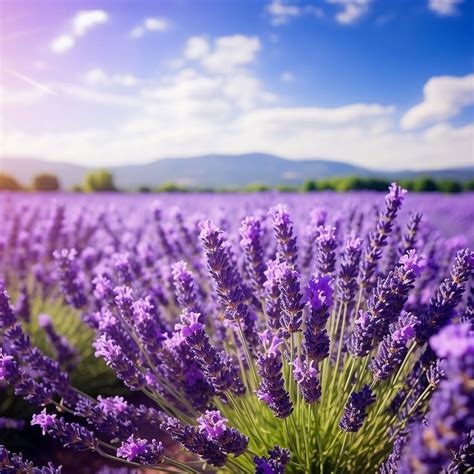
point(386, 84)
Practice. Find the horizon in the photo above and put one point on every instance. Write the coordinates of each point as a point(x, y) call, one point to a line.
point(237, 156)
point(108, 84)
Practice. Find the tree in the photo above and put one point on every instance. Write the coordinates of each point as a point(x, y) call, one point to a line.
point(450, 186)
point(170, 188)
point(9, 183)
point(99, 181)
point(425, 184)
point(309, 185)
point(45, 182)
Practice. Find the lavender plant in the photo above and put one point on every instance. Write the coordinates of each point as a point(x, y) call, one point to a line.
point(252, 355)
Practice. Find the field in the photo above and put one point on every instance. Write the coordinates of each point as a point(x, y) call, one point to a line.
point(268, 332)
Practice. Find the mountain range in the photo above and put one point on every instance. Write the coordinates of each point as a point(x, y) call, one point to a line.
point(217, 171)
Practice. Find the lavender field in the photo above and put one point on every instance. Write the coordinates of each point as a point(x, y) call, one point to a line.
point(268, 333)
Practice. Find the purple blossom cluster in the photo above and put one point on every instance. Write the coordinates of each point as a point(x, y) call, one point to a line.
point(251, 353)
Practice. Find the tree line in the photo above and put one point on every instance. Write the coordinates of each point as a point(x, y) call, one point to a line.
point(103, 181)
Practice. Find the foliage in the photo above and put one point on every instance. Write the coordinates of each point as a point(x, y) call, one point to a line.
point(45, 182)
point(9, 183)
point(99, 181)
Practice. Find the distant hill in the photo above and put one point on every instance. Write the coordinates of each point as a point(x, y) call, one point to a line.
point(217, 171)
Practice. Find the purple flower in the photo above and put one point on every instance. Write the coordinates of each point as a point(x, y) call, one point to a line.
point(413, 262)
point(72, 435)
point(272, 294)
point(115, 358)
point(185, 287)
point(326, 245)
point(393, 348)
point(319, 292)
point(251, 233)
point(44, 421)
point(287, 250)
point(217, 366)
point(355, 410)
point(291, 300)
point(223, 272)
point(195, 441)
point(443, 303)
point(385, 306)
point(378, 237)
point(455, 340)
point(15, 463)
point(272, 387)
point(349, 267)
point(274, 463)
point(213, 423)
point(410, 235)
point(307, 378)
point(66, 261)
point(316, 339)
point(7, 315)
point(141, 450)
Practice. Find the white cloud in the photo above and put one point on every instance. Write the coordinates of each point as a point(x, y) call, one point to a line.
point(444, 97)
point(98, 77)
point(81, 23)
point(196, 47)
point(158, 24)
point(227, 54)
point(287, 76)
point(85, 20)
point(352, 10)
point(62, 43)
point(282, 12)
point(444, 7)
point(215, 106)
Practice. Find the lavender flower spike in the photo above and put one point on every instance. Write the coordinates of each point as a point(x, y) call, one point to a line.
point(272, 390)
point(72, 435)
point(69, 277)
point(355, 410)
point(393, 348)
point(326, 250)
point(223, 272)
point(291, 300)
point(319, 296)
point(274, 463)
point(185, 287)
point(142, 451)
point(215, 427)
point(14, 463)
point(307, 378)
point(287, 250)
point(251, 233)
point(449, 294)
point(378, 238)
point(347, 274)
point(219, 370)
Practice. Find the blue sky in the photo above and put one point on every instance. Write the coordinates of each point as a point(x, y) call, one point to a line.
point(384, 84)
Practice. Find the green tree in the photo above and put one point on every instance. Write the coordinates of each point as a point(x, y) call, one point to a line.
point(45, 182)
point(450, 186)
point(469, 185)
point(9, 183)
point(425, 184)
point(309, 185)
point(98, 181)
point(170, 188)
